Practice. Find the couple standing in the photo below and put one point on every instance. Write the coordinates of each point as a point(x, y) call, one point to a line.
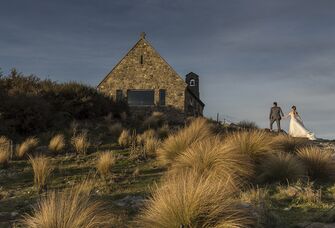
point(297, 128)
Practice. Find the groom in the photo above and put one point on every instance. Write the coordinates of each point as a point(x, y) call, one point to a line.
point(275, 116)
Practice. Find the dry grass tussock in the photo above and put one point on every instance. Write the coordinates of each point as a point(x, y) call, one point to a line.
point(280, 167)
point(81, 143)
point(115, 129)
point(212, 157)
point(191, 201)
point(320, 164)
point(287, 143)
point(57, 143)
point(148, 134)
point(151, 145)
point(27, 146)
point(42, 169)
point(300, 192)
point(255, 144)
point(72, 208)
point(176, 144)
point(4, 151)
point(105, 162)
point(125, 138)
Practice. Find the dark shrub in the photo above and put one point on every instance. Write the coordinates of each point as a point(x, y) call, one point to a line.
point(34, 105)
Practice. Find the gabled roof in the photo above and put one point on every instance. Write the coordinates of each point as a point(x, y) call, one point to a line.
point(136, 44)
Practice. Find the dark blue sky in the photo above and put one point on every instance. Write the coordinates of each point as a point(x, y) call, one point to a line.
point(247, 53)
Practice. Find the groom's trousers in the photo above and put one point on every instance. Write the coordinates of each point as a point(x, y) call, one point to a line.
point(278, 124)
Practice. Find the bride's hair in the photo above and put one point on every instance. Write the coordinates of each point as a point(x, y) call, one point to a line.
point(294, 108)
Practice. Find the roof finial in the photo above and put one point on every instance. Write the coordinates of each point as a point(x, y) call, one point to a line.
point(142, 35)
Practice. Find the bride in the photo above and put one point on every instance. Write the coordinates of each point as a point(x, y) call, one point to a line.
point(297, 128)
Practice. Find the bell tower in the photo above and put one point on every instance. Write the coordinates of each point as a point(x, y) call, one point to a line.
point(192, 81)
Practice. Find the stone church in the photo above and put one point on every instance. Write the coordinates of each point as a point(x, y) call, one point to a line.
point(147, 82)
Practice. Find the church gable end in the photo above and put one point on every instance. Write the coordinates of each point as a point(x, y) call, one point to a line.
point(143, 74)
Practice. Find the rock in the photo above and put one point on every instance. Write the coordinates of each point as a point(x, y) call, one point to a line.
point(130, 201)
point(14, 214)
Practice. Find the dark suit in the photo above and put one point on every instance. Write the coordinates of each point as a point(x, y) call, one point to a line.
point(275, 116)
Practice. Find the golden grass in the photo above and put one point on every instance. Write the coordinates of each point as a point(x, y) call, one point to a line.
point(280, 167)
point(191, 201)
point(72, 208)
point(81, 143)
point(148, 134)
point(212, 157)
point(176, 144)
point(105, 162)
point(125, 138)
point(320, 164)
point(151, 145)
point(301, 192)
point(287, 143)
point(27, 146)
point(42, 170)
point(255, 144)
point(57, 143)
point(4, 151)
point(115, 129)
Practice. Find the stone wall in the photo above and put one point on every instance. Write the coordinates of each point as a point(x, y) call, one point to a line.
point(151, 73)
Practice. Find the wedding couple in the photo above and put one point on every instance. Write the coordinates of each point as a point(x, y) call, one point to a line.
point(297, 128)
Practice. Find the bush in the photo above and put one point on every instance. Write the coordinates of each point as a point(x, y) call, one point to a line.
point(154, 121)
point(287, 143)
point(320, 163)
point(72, 208)
point(191, 201)
point(42, 170)
point(211, 157)
point(176, 144)
point(30, 105)
point(254, 143)
point(27, 146)
point(115, 129)
point(81, 143)
point(247, 125)
point(105, 162)
point(57, 143)
point(4, 151)
point(280, 167)
point(125, 138)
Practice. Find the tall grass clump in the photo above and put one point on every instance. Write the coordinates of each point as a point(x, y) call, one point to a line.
point(42, 170)
point(4, 151)
point(125, 139)
point(280, 167)
point(57, 143)
point(27, 146)
point(81, 143)
point(320, 163)
point(212, 157)
point(255, 144)
point(105, 162)
point(287, 143)
point(151, 145)
point(188, 200)
point(177, 143)
point(73, 208)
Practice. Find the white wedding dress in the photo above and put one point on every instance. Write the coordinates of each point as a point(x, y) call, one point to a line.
point(297, 128)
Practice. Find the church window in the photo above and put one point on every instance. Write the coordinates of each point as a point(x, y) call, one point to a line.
point(141, 59)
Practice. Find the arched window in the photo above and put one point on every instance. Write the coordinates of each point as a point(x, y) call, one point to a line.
point(192, 82)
